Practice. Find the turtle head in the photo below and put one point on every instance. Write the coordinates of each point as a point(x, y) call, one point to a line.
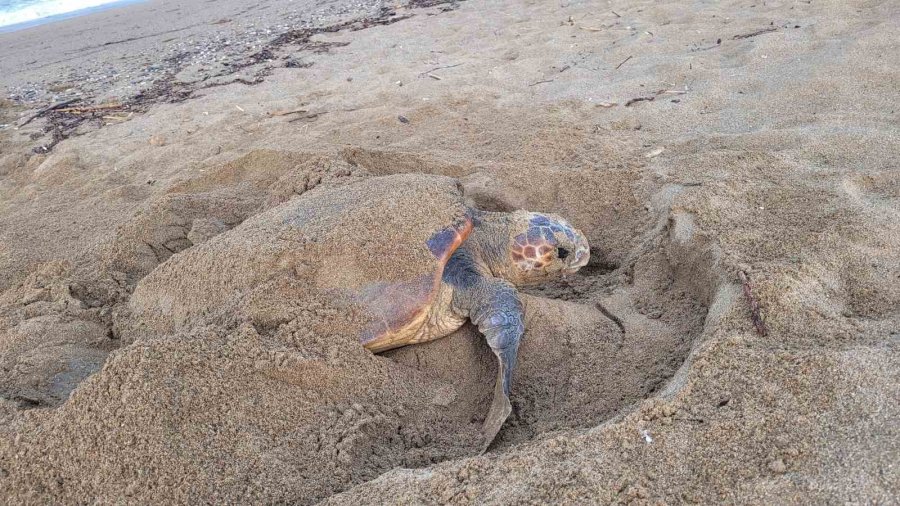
point(544, 246)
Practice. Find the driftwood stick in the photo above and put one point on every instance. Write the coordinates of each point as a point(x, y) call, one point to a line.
point(613, 318)
point(47, 109)
point(92, 108)
point(439, 68)
point(639, 99)
point(285, 113)
point(623, 62)
point(306, 116)
point(755, 316)
point(754, 34)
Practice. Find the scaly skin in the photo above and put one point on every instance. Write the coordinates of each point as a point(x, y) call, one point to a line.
point(504, 251)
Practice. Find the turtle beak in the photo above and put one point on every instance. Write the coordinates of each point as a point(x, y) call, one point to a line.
point(581, 256)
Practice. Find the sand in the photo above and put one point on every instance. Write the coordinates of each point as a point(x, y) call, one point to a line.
point(764, 147)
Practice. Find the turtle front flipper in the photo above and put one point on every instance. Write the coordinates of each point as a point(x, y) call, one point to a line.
point(501, 320)
point(500, 406)
point(494, 306)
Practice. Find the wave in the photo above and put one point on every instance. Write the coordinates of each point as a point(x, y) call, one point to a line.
point(47, 8)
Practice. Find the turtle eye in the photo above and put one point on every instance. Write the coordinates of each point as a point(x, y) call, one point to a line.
point(562, 252)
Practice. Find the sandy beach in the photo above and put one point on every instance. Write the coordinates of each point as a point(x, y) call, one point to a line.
point(734, 166)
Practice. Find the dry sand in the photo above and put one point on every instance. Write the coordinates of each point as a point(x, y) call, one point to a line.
point(765, 143)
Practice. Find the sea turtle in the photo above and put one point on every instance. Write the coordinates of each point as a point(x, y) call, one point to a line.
point(406, 249)
point(480, 263)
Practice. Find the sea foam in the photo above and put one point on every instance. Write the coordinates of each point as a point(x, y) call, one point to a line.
point(16, 12)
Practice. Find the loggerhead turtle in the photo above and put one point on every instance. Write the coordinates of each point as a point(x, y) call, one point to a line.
point(406, 249)
point(481, 261)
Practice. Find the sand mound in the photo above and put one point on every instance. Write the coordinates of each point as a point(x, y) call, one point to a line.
point(193, 211)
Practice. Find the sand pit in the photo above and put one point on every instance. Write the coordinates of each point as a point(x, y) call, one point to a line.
point(159, 342)
point(276, 369)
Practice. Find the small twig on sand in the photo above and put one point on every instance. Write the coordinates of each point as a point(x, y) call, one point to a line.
point(615, 319)
point(754, 34)
point(616, 14)
point(754, 305)
point(27, 402)
point(623, 62)
point(653, 97)
point(707, 48)
point(427, 72)
point(306, 116)
point(285, 113)
point(436, 78)
point(541, 82)
point(47, 109)
point(639, 99)
point(92, 108)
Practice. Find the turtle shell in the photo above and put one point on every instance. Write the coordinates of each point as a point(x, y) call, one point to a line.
point(378, 245)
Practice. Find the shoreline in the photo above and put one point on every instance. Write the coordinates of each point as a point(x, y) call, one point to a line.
point(24, 25)
point(119, 52)
point(177, 78)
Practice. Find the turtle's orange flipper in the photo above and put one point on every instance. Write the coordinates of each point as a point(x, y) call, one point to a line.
point(396, 306)
point(444, 243)
point(402, 308)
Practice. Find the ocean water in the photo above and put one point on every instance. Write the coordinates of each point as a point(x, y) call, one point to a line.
point(31, 12)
